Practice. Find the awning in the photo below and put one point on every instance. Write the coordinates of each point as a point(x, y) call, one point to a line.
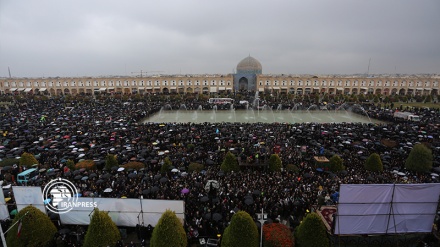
point(284, 88)
point(111, 88)
point(13, 89)
point(315, 88)
point(102, 89)
point(156, 87)
point(339, 89)
point(419, 89)
point(221, 88)
point(28, 89)
point(42, 89)
point(428, 89)
point(20, 89)
point(213, 89)
point(173, 88)
point(261, 89)
point(276, 88)
point(149, 88)
point(141, 88)
point(364, 88)
point(229, 88)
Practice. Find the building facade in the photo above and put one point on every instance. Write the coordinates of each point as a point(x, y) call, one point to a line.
point(248, 77)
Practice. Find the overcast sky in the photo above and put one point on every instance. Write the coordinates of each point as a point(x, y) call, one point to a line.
point(109, 37)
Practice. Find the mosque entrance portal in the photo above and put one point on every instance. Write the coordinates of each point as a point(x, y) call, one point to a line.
point(243, 84)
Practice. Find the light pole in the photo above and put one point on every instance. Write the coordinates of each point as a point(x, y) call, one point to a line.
point(261, 218)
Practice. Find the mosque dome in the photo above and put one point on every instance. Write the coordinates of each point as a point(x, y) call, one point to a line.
point(249, 65)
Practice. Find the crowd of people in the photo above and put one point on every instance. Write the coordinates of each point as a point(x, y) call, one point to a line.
point(57, 130)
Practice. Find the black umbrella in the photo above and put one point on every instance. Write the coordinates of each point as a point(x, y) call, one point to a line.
point(146, 192)
point(76, 172)
point(132, 175)
point(100, 181)
point(163, 180)
point(106, 176)
point(92, 175)
point(204, 199)
point(78, 177)
point(154, 189)
point(256, 192)
point(248, 201)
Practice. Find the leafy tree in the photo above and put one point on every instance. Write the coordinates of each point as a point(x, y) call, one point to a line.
point(166, 166)
point(27, 160)
point(134, 165)
point(276, 234)
point(336, 163)
point(195, 167)
point(87, 164)
point(419, 159)
point(374, 163)
point(225, 238)
point(243, 230)
point(168, 231)
point(275, 163)
point(312, 232)
point(230, 163)
point(70, 164)
point(102, 231)
point(191, 147)
point(36, 229)
point(292, 168)
point(110, 161)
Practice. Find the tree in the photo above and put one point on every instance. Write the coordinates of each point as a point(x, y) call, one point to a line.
point(102, 231)
point(27, 160)
point(276, 234)
point(168, 231)
point(195, 167)
point(36, 229)
point(243, 231)
point(70, 164)
point(166, 166)
point(225, 238)
point(374, 163)
point(230, 163)
point(110, 161)
point(419, 159)
point(336, 163)
point(312, 232)
point(275, 163)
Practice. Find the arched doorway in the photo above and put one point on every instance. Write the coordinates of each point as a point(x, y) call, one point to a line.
point(243, 84)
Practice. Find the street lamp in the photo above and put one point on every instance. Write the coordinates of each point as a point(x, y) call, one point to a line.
point(261, 218)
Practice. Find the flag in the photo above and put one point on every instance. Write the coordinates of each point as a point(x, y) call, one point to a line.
point(19, 229)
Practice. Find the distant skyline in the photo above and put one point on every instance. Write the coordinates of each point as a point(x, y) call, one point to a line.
point(51, 38)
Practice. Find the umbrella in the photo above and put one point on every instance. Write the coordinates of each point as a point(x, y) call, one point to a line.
point(84, 178)
point(214, 183)
point(401, 174)
point(175, 170)
point(78, 177)
point(154, 189)
point(185, 191)
point(248, 201)
point(307, 175)
point(100, 181)
point(132, 175)
point(256, 192)
point(163, 180)
point(108, 190)
point(204, 199)
point(106, 176)
point(146, 192)
point(120, 169)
